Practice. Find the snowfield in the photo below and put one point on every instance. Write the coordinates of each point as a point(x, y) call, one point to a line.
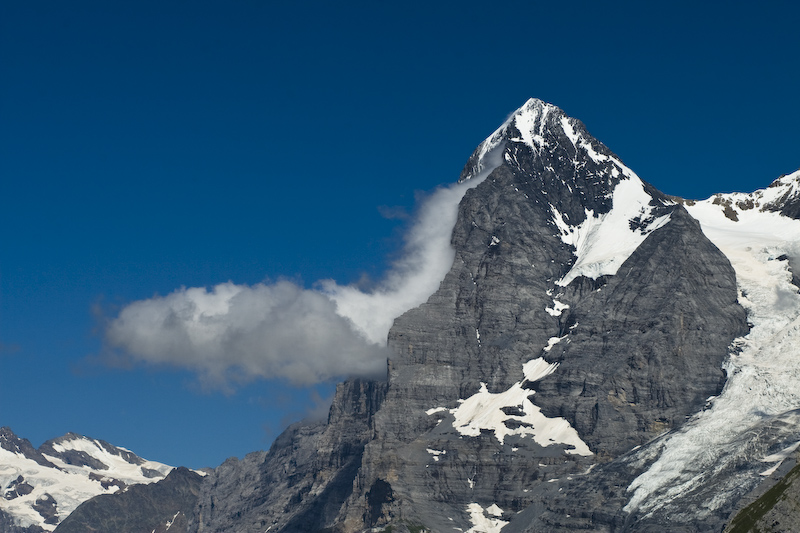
point(763, 375)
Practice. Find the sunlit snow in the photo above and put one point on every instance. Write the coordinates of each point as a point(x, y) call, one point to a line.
point(484, 411)
point(763, 377)
point(602, 243)
point(436, 453)
point(538, 368)
point(557, 309)
point(481, 523)
point(552, 341)
point(69, 485)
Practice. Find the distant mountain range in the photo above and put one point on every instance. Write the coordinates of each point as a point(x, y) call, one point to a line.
point(41, 487)
point(600, 357)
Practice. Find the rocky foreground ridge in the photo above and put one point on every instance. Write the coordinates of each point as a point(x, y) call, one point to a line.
point(599, 357)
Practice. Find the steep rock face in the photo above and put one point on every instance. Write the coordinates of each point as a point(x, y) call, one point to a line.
point(677, 299)
point(639, 347)
point(585, 318)
point(301, 484)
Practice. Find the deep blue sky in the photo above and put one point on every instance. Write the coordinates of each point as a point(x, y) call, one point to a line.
point(146, 146)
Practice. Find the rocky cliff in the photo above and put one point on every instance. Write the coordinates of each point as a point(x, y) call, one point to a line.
point(584, 365)
point(585, 314)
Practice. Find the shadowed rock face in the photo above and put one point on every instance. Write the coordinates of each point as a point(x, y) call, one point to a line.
point(650, 343)
point(9, 441)
point(304, 480)
point(159, 507)
point(9, 525)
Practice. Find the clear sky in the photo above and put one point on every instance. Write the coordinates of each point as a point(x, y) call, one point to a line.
point(148, 146)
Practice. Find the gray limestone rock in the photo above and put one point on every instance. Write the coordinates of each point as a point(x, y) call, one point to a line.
point(649, 343)
point(577, 379)
point(303, 482)
point(638, 352)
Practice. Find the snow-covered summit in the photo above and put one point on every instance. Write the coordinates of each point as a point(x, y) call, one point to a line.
point(542, 127)
point(530, 118)
point(41, 487)
point(599, 206)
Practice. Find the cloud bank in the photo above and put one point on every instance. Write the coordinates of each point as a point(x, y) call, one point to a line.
point(236, 333)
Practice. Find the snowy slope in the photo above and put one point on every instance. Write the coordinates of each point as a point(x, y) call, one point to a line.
point(42, 487)
point(602, 240)
point(761, 244)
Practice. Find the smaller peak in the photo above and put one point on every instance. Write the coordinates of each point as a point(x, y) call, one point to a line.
point(530, 111)
point(535, 103)
point(68, 437)
point(783, 195)
point(792, 179)
point(10, 441)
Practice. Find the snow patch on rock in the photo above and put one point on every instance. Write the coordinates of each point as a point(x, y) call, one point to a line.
point(485, 520)
point(488, 411)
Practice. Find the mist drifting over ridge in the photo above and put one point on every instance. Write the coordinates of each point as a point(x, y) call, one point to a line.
point(235, 333)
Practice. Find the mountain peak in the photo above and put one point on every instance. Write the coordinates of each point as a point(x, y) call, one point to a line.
point(597, 205)
point(786, 195)
point(542, 128)
point(488, 155)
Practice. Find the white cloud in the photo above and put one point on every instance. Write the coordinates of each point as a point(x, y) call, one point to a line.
point(244, 332)
point(282, 331)
point(427, 257)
